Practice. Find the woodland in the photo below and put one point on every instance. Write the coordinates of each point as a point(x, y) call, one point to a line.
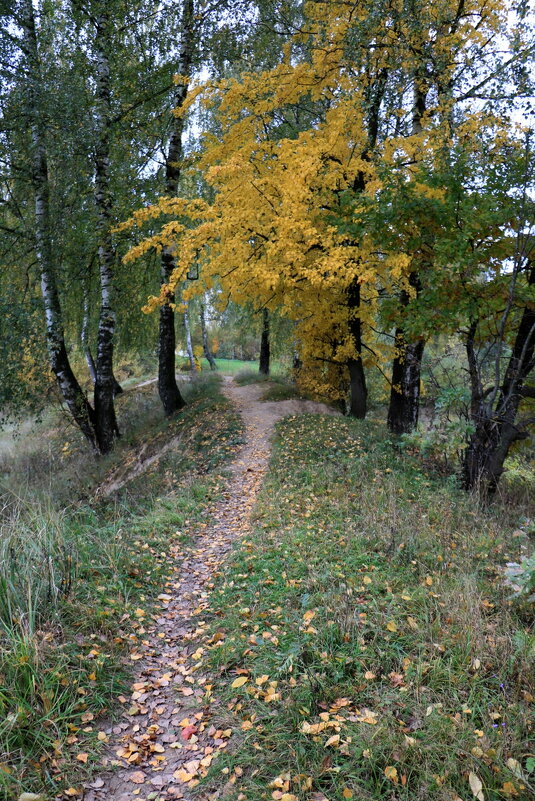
point(267, 393)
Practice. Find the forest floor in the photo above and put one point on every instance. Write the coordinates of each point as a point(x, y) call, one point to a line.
point(257, 600)
point(165, 734)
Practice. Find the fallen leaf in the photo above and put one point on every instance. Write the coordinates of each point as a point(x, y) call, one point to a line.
point(138, 777)
point(391, 626)
point(82, 757)
point(391, 773)
point(515, 767)
point(476, 786)
point(333, 740)
point(30, 797)
point(509, 789)
point(239, 682)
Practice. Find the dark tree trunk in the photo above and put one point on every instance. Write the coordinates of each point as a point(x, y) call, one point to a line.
point(404, 407)
point(168, 390)
point(69, 387)
point(170, 395)
point(105, 385)
point(494, 414)
point(358, 392)
point(205, 344)
point(265, 351)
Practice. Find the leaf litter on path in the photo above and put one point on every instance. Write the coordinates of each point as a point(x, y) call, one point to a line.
point(165, 741)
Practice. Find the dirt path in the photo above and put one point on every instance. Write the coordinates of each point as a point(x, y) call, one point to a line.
point(164, 740)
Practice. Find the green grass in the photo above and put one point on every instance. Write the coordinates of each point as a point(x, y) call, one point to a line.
point(384, 658)
point(72, 578)
point(244, 377)
point(228, 366)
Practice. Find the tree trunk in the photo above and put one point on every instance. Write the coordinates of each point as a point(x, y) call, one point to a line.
point(168, 389)
point(494, 418)
point(107, 429)
point(404, 405)
point(189, 346)
point(70, 390)
point(84, 336)
point(265, 350)
point(205, 344)
point(358, 392)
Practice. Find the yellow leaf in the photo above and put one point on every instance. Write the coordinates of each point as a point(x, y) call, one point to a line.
point(239, 682)
point(261, 679)
point(333, 740)
point(509, 789)
point(476, 786)
point(391, 626)
point(367, 580)
point(429, 581)
point(72, 791)
point(412, 623)
point(515, 767)
point(369, 675)
point(102, 736)
point(82, 757)
point(391, 773)
point(30, 797)
point(307, 617)
point(288, 797)
point(347, 793)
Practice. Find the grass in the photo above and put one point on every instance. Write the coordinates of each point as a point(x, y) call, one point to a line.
point(384, 659)
point(244, 377)
point(73, 579)
point(281, 391)
point(228, 366)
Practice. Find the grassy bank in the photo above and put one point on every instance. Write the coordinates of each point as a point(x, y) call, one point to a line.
point(76, 581)
point(381, 654)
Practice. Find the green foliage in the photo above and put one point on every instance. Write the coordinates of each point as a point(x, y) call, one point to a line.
point(521, 579)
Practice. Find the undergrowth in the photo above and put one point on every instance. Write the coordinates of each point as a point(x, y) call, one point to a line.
point(75, 580)
point(379, 653)
point(250, 377)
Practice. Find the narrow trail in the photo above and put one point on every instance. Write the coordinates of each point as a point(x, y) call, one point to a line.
point(165, 741)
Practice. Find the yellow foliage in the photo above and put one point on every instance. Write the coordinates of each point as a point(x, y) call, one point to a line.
point(277, 231)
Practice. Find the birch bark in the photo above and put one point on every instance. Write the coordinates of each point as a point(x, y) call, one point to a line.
point(71, 392)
